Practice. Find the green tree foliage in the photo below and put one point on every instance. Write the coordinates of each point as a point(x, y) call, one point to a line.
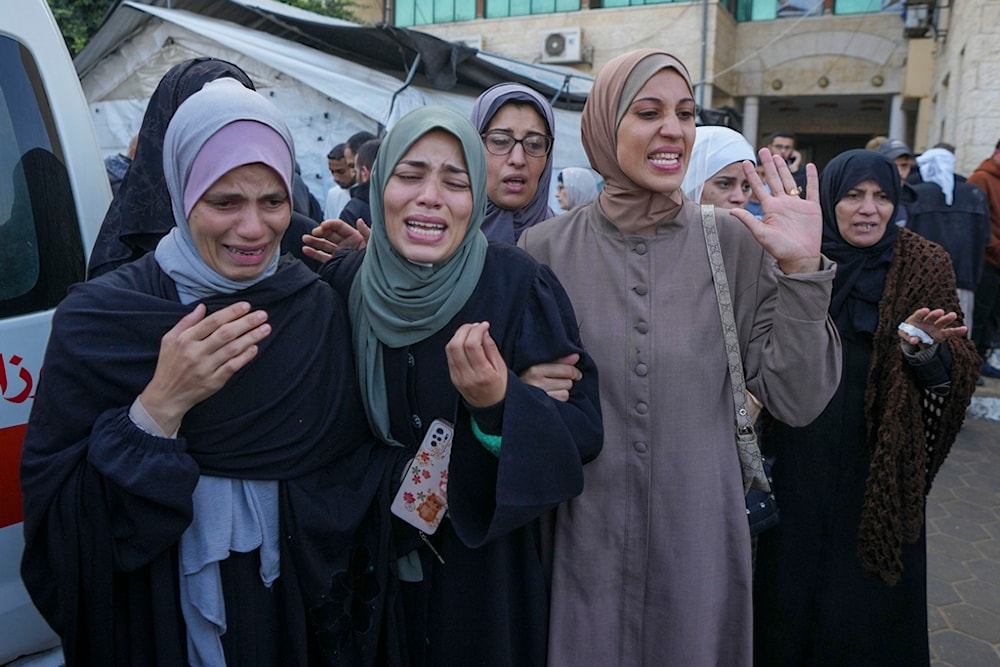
point(338, 9)
point(79, 19)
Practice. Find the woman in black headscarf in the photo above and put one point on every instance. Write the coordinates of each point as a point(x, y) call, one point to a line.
point(842, 579)
point(140, 214)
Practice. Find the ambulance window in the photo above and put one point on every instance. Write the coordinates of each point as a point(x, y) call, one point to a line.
point(41, 251)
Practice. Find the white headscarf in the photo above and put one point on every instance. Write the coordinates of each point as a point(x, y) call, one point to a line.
point(580, 185)
point(937, 165)
point(715, 148)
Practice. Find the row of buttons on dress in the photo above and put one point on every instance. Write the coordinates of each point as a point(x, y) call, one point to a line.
point(641, 369)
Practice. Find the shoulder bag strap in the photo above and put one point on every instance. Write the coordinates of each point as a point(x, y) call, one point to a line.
point(751, 461)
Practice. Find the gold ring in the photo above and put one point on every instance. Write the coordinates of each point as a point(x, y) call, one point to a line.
point(796, 191)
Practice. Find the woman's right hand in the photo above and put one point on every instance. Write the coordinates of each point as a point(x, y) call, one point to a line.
point(332, 235)
point(198, 356)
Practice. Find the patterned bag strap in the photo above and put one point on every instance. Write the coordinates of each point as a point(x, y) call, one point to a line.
point(751, 461)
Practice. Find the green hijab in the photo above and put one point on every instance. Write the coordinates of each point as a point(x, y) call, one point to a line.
point(395, 302)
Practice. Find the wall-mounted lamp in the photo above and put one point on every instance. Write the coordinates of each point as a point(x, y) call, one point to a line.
point(777, 84)
point(823, 82)
point(918, 18)
point(877, 80)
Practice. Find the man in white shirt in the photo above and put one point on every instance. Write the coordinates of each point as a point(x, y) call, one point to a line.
point(343, 178)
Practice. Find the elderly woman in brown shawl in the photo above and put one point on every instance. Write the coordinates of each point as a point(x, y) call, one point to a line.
point(842, 580)
point(652, 561)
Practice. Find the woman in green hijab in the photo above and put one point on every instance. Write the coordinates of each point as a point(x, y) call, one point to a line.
point(443, 323)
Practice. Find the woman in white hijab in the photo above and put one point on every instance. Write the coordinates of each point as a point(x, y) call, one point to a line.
point(576, 187)
point(715, 173)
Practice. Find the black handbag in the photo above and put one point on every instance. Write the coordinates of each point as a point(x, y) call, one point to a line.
point(762, 506)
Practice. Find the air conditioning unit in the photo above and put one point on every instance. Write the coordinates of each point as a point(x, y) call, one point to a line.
point(471, 41)
point(563, 45)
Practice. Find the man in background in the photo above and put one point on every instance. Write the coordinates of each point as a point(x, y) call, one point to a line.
point(955, 215)
point(900, 153)
point(343, 178)
point(118, 164)
point(987, 314)
point(359, 207)
point(783, 143)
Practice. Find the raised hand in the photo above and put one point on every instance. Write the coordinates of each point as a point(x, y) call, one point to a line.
point(198, 356)
point(476, 367)
point(331, 235)
point(792, 227)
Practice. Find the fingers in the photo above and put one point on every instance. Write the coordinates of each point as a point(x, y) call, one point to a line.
point(318, 255)
point(748, 219)
point(318, 243)
point(556, 378)
point(812, 183)
point(935, 323)
point(771, 164)
point(364, 230)
point(753, 178)
point(199, 355)
point(476, 366)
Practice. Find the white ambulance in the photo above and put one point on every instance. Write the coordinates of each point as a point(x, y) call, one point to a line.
point(53, 195)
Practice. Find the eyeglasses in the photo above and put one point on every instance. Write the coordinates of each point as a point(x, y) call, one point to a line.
point(502, 143)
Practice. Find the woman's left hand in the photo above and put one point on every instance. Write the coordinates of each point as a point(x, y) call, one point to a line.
point(936, 324)
point(477, 368)
point(792, 227)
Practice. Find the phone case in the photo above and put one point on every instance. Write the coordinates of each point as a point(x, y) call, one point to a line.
point(422, 500)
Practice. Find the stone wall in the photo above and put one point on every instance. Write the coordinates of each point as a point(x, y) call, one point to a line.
point(966, 98)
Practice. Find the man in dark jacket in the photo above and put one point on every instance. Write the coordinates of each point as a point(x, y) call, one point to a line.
point(358, 207)
point(987, 315)
point(954, 214)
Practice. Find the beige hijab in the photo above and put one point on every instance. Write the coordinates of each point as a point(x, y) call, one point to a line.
point(631, 208)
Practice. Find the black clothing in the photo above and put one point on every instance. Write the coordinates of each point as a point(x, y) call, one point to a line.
point(141, 214)
point(105, 503)
point(116, 166)
point(816, 605)
point(487, 605)
point(358, 206)
point(303, 201)
point(962, 229)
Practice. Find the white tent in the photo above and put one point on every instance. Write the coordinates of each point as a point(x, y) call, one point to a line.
point(325, 97)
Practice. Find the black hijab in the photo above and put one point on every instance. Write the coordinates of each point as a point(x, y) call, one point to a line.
point(861, 272)
point(140, 213)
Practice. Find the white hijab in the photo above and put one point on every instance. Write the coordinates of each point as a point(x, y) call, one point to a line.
point(937, 165)
point(715, 148)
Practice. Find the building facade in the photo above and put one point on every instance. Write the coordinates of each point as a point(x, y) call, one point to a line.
point(835, 72)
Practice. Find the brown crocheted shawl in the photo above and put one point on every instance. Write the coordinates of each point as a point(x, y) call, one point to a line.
point(910, 430)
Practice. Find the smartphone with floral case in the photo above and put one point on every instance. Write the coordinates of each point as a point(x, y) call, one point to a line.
point(422, 500)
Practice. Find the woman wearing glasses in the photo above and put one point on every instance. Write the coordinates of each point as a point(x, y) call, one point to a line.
point(517, 125)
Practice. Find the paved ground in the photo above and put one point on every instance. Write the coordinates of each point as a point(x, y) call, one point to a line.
point(963, 542)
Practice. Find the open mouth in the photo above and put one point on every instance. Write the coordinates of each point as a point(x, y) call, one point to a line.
point(515, 182)
point(665, 159)
point(242, 252)
point(426, 230)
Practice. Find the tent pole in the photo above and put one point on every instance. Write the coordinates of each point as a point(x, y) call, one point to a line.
point(406, 84)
